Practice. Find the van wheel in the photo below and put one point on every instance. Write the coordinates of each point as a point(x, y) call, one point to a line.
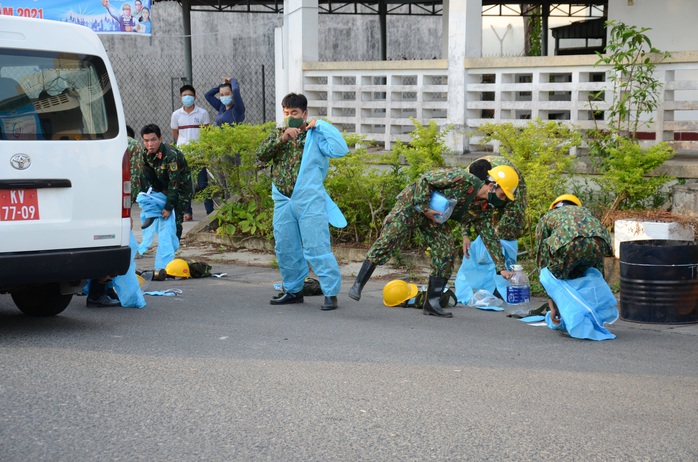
point(45, 300)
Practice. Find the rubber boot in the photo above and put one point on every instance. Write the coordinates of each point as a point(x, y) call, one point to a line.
point(432, 304)
point(147, 222)
point(361, 279)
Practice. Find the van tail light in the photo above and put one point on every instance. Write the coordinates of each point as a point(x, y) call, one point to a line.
point(126, 186)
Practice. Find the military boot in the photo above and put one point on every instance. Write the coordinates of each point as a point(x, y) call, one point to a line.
point(361, 279)
point(432, 304)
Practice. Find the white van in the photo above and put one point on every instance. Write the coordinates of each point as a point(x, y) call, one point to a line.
point(64, 175)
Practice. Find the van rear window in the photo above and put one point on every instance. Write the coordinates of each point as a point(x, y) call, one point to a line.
point(55, 96)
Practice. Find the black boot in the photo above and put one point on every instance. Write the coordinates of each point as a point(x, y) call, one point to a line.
point(330, 303)
point(147, 222)
point(97, 296)
point(287, 298)
point(432, 305)
point(361, 279)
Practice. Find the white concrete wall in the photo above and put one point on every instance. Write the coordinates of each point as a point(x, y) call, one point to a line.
point(225, 43)
point(673, 22)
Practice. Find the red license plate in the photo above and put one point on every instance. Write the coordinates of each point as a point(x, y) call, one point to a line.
point(19, 204)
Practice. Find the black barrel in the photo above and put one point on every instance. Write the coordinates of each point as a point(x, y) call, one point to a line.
point(659, 281)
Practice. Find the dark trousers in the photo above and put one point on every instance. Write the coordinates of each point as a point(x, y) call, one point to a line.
point(201, 184)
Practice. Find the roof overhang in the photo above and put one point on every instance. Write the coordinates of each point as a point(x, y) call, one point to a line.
point(552, 8)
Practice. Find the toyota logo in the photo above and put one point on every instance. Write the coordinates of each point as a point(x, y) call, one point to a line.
point(20, 161)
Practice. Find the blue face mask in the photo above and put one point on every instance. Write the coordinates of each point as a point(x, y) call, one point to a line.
point(188, 100)
point(227, 100)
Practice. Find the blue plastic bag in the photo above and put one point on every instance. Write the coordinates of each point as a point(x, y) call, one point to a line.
point(441, 204)
point(585, 304)
point(126, 285)
point(478, 271)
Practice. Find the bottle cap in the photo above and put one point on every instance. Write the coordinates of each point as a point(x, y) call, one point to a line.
point(516, 267)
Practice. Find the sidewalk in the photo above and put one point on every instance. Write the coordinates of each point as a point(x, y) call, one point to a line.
point(206, 246)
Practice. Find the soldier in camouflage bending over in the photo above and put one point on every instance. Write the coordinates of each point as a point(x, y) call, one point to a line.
point(476, 201)
point(570, 241)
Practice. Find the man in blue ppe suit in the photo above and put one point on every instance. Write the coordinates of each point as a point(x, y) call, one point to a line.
point(299, 154)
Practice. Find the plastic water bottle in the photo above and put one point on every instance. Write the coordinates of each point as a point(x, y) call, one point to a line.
point(518, 292)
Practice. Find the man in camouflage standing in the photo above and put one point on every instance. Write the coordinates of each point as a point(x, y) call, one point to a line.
point(570, 241)
point(166, 170)
point(475, 205)
point(299, 154)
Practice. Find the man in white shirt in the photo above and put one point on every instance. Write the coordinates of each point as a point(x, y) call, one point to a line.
point(186, 125)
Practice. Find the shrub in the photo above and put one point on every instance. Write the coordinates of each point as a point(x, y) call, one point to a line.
point(623, 165)
point(539, 150)
point(229, 154)
point(426, 149)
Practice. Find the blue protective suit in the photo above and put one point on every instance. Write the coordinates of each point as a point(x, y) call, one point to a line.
point(151, 204)
point(585, 304)
point(301, 222)
point(126, 285)
point(478, 272)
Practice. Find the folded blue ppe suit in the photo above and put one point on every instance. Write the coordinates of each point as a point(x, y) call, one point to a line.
point(151, 204)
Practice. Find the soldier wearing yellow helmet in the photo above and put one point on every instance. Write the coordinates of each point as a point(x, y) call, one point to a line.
point(570, 241)
point(509, 219)
point(474, 200)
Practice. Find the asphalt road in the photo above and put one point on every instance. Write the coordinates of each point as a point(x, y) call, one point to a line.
point(218, 374)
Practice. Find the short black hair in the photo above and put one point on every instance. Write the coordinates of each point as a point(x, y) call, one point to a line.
point(293, 100)
point(130, 132)
point(564, 203)
point(187, 87)
point(151, 128)
point(223, 85)
point(479, 168)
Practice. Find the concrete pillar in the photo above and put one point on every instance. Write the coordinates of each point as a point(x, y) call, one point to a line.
point(186, 25)
point(301, 37)
point(464, 30)
point(280, 73)
point(444, 28)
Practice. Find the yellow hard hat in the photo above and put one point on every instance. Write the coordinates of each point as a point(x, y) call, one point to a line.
point(566, 197)
point(398, 291)
point(506, 178)
point(178, 268)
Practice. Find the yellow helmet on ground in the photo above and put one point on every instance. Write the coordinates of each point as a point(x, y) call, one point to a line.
point(506, 178)
point(566, 197)
point(178, 268)
point(398, 291)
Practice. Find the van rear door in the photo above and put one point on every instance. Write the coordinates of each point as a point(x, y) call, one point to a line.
point(61, 182)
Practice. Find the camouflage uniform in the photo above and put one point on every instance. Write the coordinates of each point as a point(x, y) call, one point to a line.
point(455, 183)
point(571, 240)
point(511, 218)
point(134, 150)
point(167, 171)
point(286, 159)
